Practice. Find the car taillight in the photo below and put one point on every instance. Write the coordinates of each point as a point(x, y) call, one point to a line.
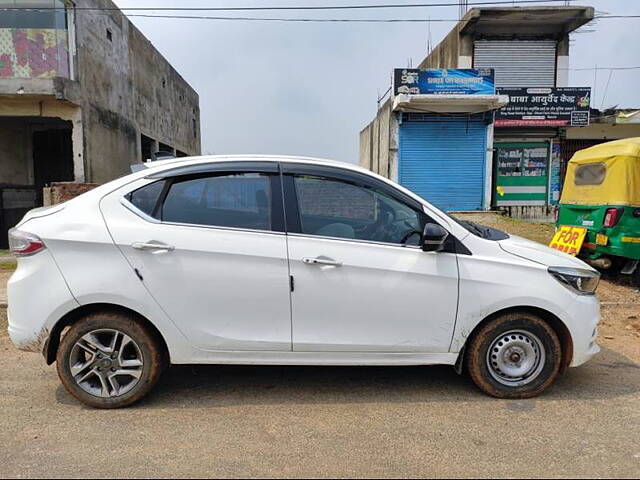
point(22, 244)
point(611, 217)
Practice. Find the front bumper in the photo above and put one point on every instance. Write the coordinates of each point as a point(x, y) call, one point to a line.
point(584, 316)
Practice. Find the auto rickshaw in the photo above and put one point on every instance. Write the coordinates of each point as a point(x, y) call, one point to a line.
point(601, 202)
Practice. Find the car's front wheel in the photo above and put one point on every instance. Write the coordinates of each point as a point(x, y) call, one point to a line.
point(109, 360)
point(515, 355)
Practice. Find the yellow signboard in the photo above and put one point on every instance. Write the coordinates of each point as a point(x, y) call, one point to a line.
point(569, 239)
point(601, 239)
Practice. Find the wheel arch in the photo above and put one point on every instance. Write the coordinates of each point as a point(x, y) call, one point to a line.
point(552, 320)
point(70, 318)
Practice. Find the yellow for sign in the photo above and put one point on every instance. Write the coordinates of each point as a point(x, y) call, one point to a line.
point(569, 239)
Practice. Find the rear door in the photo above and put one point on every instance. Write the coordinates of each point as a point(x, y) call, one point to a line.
point(211, 249)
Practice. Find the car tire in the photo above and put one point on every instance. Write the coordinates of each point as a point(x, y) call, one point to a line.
point(515, 355)
point(109, 360)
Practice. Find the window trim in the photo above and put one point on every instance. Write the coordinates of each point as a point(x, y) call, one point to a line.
point(276, 204)
point(149, 219)
point(210, 168)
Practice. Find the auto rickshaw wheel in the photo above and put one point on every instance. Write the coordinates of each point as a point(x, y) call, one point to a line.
point(617, 264)
point(635, 276)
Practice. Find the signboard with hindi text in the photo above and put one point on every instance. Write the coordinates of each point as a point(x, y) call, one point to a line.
point(544, 107)
point(443, 81)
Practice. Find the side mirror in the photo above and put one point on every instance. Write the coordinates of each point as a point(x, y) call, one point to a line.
point(433, 237)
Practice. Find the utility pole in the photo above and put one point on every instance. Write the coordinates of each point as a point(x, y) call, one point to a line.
point(464, 6)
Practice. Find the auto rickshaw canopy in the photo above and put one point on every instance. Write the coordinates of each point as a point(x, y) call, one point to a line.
point(605, 174)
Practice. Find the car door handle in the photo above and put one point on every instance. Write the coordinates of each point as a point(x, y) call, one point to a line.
point(321, 261)
point(152, 246)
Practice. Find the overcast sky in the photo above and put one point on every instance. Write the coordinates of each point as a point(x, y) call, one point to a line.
point(309, 88)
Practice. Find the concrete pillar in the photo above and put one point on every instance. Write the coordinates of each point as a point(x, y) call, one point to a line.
point(562, 63)
point(488, 175)
point(77, 140)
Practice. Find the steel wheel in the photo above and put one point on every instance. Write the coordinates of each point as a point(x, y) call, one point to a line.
point(106, 363)
point(515, 358)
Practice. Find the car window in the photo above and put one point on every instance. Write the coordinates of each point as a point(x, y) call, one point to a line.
point(590, 174)
point(241, 200)
point(146, 198)
point(335, 208)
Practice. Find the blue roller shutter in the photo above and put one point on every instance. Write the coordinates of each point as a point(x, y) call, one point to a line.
point(442, 159)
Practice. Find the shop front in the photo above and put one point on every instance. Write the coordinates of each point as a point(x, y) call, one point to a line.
point(522, 173)
point(444, 120)
point(527, 176)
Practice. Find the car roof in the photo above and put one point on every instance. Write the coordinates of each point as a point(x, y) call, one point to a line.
point(194, 160)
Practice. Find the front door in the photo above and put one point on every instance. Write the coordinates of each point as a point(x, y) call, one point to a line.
point(361, 283)
point(211, 250)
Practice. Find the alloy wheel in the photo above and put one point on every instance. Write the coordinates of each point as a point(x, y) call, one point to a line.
point(106, 363)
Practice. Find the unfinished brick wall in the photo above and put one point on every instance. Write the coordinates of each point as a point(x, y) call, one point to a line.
point(59, 192)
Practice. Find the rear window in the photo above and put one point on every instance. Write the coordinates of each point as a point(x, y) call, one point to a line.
point(145, 198)
point(590, 174)
point(238, 200)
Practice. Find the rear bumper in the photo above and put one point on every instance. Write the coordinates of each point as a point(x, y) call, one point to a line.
point(38, 297)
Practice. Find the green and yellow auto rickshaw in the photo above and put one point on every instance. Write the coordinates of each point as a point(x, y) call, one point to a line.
point(599, 214)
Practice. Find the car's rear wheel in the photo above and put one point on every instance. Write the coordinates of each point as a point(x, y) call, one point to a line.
point(515, 355)
point(109, 360)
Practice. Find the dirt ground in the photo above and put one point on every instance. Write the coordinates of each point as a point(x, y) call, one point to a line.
point(620, 300)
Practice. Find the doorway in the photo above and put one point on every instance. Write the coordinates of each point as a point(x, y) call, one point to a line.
point(52, 157)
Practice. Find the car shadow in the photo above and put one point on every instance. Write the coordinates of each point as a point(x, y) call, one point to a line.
point(608, 375)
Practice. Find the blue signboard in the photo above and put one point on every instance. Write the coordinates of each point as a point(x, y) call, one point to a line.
point(432, 81)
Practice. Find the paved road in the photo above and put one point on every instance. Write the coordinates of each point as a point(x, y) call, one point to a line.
point(344, 422)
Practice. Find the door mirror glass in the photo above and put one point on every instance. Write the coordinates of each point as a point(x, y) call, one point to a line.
point(433, 237)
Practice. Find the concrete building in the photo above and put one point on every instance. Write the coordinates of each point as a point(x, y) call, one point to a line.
point(528, 50)
point(431, 135)
point(83, 95)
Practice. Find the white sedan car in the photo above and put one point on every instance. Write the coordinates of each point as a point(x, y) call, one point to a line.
point(287, 261)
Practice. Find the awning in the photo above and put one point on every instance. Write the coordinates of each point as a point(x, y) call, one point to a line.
point(449, 103)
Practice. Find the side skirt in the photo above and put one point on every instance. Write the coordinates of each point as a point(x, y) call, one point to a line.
point(317, 358)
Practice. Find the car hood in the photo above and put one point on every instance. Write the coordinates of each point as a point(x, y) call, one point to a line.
point(539, 253)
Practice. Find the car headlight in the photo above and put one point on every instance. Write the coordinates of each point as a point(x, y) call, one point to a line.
point(580, 280)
